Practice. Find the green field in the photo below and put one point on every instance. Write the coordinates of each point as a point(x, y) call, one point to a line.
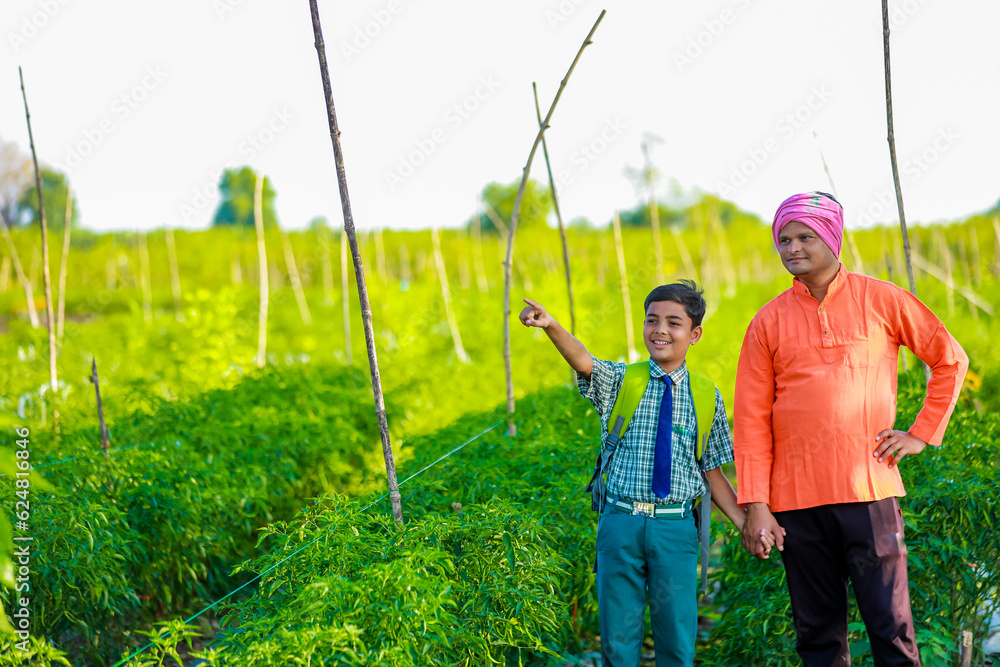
point(220, 470)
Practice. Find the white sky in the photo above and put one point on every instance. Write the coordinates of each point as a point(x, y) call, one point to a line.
point(145, 103)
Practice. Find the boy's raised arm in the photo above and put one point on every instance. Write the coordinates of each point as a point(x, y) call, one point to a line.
point(572, 350)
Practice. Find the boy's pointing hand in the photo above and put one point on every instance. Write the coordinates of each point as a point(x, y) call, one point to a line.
point(535, 315)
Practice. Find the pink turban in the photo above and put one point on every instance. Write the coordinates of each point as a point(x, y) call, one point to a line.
point(817, 212)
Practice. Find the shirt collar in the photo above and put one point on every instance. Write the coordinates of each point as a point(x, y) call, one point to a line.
point(798, 287)
point(677, 376)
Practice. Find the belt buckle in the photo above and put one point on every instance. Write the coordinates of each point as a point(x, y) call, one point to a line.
point(644, 509)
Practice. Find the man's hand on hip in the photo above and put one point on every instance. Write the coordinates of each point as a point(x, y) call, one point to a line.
point(894, 445)
point(759, 523)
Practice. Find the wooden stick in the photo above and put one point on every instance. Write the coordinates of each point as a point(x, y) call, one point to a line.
point(477, 255)
point(345, 296)
point(175, 274)
point(62, 264)
point(236, 271)
point(654, 212)
point(5, 274)
point(144, 280)
point(293, 277)
point(562, 227)
point(456, 335)
point(508, 263)
point(29, 293)
point(258, 221)
point(892, 149)
point(397, 510)
point(50, 318)
point(96, 381)
point(633, 356)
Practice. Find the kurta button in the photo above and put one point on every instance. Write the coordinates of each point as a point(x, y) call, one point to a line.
point(824, 333)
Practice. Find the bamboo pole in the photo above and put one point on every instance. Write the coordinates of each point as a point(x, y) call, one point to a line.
point(892, 149)
point(511, 428)
point(559, 220)
point(965, 648)
point(633, 356)
point(380, 256)
point(29, 293)
point(62, 263)
point(654, 211)
point(976, 257)
point(324, 258)
point(175, 274)
point(5, 274)
point(456, 335)
point(258, 220)
point(345, 297)
point(96, 381)
point(236, 271)
point(144, 280)
point(463, 258)
point(397, 510)
point(949, 268)
point(293, 277)
point(477, 254)
point(996, 246)
point(50, 318)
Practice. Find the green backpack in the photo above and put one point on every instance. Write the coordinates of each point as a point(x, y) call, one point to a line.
point(631, 392)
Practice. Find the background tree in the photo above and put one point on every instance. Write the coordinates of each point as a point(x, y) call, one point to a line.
point(55, 185)
point(236, 188)
point(536, 204)
point(15, 178)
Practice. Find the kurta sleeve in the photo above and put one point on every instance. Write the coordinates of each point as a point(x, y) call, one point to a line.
point(753, 441)
point(922, 332)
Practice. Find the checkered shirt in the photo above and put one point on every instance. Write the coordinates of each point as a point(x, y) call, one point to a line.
point(630, 472)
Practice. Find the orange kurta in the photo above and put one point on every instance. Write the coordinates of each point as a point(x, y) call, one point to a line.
point(817, 382)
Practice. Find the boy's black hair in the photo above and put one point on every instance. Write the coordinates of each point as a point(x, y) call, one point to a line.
point(684, 292)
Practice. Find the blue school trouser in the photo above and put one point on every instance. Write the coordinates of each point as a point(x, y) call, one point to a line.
point(640, 558)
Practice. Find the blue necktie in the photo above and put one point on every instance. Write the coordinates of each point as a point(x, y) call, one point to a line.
point(661, 451)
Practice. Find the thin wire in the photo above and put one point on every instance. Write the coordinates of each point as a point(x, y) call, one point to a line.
point(306, 546)
point(113, 449)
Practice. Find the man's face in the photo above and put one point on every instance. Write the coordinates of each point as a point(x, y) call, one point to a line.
point(668, 333)
point(803, 253)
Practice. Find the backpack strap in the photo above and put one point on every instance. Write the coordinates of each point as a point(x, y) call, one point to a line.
point(629, 394)
point(703, 393)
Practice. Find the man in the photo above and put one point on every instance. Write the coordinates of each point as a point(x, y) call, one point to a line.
point(817, 460)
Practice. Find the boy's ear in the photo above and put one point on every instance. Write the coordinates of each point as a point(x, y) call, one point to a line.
point(696, 334)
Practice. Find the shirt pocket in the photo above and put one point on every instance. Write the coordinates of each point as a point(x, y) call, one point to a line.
point(864, 345)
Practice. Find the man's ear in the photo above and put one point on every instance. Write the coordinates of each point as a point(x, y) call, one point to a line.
point(696, 334)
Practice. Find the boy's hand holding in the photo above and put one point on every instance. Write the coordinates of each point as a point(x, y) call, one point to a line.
point(535, 315)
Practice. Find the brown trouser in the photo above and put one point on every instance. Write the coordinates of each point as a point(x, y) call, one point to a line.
point(824, 547)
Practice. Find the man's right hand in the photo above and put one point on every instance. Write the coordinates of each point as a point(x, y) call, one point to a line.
point(535, 315)
point(760, 520)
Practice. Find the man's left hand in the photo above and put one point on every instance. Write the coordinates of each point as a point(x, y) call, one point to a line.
point(894, 445)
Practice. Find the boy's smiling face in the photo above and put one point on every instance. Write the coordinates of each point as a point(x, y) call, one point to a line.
point(668, 333)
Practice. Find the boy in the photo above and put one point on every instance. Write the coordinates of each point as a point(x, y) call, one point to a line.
point(647, 543)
